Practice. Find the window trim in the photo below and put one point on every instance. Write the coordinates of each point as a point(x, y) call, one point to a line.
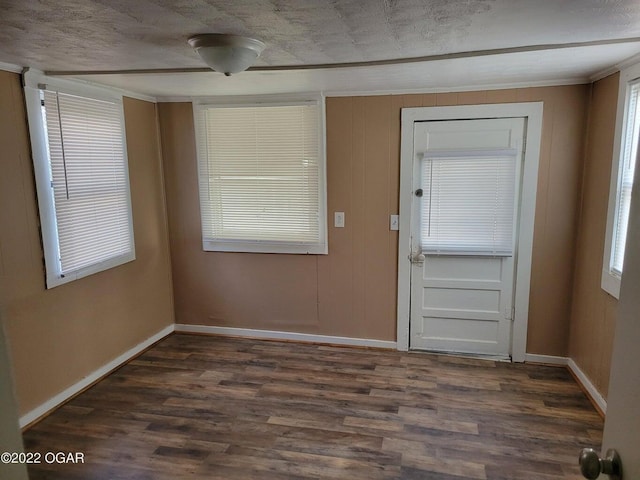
point(610, 280)
point(33, 82)
point(259, 246)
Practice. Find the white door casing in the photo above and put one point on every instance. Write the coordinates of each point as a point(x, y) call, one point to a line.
point(532, 112)
point(462, 288)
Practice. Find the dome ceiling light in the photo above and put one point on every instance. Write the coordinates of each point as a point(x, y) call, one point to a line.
point(226, 53)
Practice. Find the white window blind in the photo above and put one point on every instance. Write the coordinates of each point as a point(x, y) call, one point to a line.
point(627, 168)
point(467, 204)
point(85, 163)
point(261, 172)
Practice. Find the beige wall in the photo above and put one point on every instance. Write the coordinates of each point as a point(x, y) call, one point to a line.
point(594, 311)
point(59, 336)
point(352, 291)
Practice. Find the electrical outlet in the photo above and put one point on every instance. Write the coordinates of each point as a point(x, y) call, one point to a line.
point(338, 219)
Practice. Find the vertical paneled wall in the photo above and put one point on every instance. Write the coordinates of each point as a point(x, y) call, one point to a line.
point(594, 311)
point(352, 291)
point(59, 336)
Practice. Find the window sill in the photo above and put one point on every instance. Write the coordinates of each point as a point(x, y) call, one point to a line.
point(264, 247)
point(610, 283)
point(54, 281)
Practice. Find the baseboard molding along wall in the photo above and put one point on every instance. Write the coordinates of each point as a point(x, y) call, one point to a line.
point(546, 359)
point(93, 377)
point(277, 335)
point(87, 381)
point(591, 390)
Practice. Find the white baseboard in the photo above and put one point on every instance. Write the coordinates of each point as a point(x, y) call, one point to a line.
point(579, 374)
point(548, 359)
point(588, 386)
point(65, 395)
point(276, 335)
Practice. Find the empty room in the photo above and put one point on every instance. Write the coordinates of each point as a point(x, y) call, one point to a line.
point(364, 239)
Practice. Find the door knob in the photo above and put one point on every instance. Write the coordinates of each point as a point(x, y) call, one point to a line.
point(591, 465)
point(417, 258)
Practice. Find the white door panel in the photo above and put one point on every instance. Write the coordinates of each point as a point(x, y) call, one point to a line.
point(458, 314)
point(484, 269)
point(447, 333)
point(463, 302)
point(440, 300)
point(622, 422)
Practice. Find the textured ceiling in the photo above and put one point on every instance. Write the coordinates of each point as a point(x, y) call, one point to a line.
point(98, 36)
point(152, 34)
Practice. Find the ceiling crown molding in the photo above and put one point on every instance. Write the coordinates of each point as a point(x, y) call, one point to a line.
point(371, 63)
point(9, 67)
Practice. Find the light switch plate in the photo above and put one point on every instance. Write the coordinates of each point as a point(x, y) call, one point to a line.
point(394, 222)
point(338, 219)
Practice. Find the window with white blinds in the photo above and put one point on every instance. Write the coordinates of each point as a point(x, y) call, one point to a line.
point(261, 177)
point(82, 175)
point(468, 200)
point(627, 168)
point(627, 135)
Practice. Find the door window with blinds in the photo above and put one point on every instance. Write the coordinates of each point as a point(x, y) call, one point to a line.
point(467, 202)
point(622, 183)
point(82, 180)
point(261, 177)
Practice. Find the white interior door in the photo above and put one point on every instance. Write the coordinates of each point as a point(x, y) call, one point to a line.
point(467, 176)
point(622, 423)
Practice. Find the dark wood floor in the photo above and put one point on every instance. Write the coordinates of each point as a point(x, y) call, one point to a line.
point(197, 407)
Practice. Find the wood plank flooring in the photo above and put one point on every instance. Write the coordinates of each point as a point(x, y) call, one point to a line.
point(198, 407)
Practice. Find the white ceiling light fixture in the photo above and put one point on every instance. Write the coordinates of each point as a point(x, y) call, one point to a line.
point(227, 53)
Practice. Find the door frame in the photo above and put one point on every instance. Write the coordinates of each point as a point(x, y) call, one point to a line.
point(532, 112)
